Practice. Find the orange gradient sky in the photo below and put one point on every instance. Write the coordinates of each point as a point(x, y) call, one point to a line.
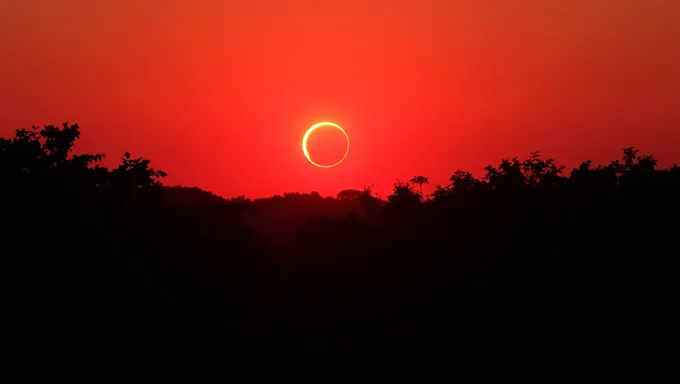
point(219, 93)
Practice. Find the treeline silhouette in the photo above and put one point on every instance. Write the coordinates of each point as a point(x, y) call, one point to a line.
point(527, 273)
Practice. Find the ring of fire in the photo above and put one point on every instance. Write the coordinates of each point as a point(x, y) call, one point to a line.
point(312, 129)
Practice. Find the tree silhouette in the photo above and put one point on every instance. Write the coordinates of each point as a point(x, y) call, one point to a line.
point(539, 172)
point(508, 177)
point(420, 180)
point(45, 154)
point(349, 194)
point(369, 201)
point(463, 181)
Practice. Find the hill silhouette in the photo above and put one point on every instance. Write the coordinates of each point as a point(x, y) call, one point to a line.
point(531, 273)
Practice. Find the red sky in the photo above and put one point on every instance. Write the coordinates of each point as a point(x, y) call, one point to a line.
point(218, 93)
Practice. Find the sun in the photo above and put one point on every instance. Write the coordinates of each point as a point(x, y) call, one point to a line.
point(312, 129)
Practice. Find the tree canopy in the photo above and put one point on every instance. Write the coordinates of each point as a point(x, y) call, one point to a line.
point(530, 271)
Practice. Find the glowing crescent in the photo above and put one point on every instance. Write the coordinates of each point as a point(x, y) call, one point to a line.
point(312, 129)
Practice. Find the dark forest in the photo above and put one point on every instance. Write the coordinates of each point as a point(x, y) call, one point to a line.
point(531, 272)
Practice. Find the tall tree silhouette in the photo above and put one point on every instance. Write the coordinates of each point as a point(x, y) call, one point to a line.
point(420, 181)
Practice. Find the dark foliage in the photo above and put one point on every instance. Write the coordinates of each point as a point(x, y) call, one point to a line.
point(527, 274)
